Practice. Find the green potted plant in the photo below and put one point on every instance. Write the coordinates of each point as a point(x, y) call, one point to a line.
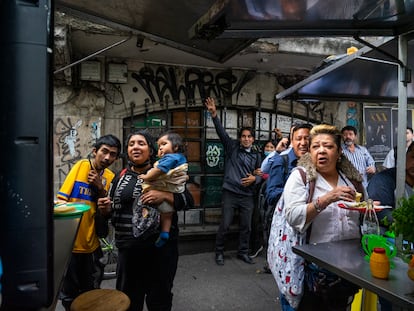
point(403, 226)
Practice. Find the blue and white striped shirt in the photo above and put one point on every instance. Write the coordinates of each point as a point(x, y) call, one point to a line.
point(361, 159)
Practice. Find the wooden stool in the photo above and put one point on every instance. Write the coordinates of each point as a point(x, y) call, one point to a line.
point(101, 300)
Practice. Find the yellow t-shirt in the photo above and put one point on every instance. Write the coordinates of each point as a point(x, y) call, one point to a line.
point(76, 188)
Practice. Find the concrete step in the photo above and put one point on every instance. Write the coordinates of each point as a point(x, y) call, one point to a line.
point(201, 239)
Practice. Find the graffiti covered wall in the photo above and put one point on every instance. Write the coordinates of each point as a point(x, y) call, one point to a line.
point(73, 139)
point(86, 110)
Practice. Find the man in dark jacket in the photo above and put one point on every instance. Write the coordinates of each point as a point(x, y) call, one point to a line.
point(283, 164)
point(382, 188)
point(239, 185)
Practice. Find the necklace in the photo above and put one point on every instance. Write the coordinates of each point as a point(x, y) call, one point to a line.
point(100, 172)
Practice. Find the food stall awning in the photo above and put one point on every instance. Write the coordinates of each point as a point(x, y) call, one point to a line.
point(368, 75)
point(379, 73)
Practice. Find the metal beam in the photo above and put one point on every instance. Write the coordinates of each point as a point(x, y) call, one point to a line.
point(402, 117)
point(92, 55)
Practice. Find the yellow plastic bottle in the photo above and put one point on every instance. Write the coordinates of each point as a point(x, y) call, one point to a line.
point(410, 271)
point(379, 263)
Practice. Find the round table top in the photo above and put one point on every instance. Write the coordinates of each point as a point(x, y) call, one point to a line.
point(101, 300)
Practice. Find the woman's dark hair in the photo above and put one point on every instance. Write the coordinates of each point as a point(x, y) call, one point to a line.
point(176, 141)
point(109, 140)
point(273, 142)
point(150, 141)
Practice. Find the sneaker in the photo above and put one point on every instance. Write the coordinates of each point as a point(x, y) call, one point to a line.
point(246, 258)
point(257, 252)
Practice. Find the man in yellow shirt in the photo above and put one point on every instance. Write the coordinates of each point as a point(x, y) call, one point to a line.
point(88, 180)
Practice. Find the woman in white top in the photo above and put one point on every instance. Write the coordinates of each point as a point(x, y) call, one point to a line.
point(334, 178)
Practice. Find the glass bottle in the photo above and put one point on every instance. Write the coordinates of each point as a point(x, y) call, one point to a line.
point(370, 224)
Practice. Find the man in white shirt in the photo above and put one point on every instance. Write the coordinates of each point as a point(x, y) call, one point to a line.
point(389, 161)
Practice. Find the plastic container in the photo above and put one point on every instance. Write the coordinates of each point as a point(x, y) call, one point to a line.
point(379, 263)
point(370, 241)
point(410, 271)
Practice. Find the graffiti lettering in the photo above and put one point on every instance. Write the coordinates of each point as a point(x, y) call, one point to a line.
point(164, 83)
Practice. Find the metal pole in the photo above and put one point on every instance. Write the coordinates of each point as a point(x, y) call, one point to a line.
point(402, 117)
point(92, 55)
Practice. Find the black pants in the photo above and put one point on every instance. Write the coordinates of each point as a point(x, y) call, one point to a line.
point(338, 299)
point(146, 274)
point(265, 215)
point(245, 205)
point(85, 273)
point(256, 235)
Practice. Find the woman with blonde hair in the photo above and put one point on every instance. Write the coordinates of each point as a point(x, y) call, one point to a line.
point(333, 179)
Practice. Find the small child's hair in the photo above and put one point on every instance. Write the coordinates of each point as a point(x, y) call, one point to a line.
point(176, 141)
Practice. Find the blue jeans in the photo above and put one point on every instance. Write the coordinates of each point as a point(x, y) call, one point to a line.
point(285, 304)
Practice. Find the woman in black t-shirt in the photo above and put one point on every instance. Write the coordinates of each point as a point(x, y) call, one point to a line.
point(145, 272)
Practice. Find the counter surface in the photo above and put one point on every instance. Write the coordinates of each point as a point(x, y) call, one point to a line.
point(346, 259)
